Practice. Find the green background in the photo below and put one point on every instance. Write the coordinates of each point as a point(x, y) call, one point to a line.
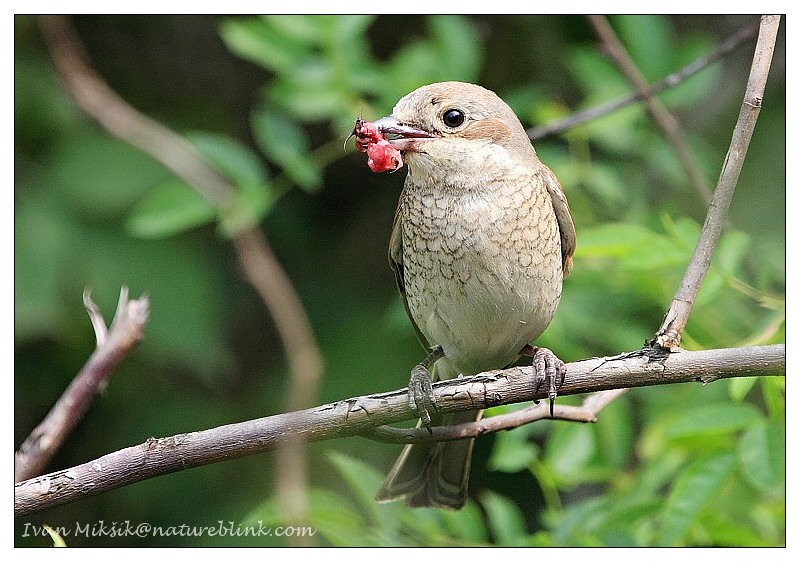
point(270, 101)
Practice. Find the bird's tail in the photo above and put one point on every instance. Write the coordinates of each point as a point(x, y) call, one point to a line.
point(432, 474)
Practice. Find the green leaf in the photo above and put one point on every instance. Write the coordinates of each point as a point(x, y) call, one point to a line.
point(101, 176)
point(363, 479)
point(578, 521)
point(532, 105)
point(733, 249)
point(762, 455)
point(505, 519)
point(512, 452)
point(621, 519)
point(42, 113)
point(230, 157)
point(724, 532)
point(267, 511)
point(606, 181)
point(304, 28)
point(713, 419)
point(313, 74)
point(258, 41)
point(596, 75)
point(658, 471)
point(427, 526)
point(699, 87)
point(631, 245)
point(308, 104)
point(412, 66)
point(693, 490)
point(614, 433)
point(467, 523)
point(663, 162)
point(346, 28)
point(685, 232)
point(284, 142)
point(648, 38)
point(713, 284)
point(252, 202)
point(453, 52)
point(569, 450)
point(739, 387)
point(39, 265)
point(774, 389)
point(337, 520)
point(460, 50)
point(169, 209)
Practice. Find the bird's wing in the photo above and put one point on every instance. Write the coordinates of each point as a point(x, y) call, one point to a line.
point(565, 225)
point(396, 263)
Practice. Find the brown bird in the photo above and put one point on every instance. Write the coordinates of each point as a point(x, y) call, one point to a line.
point(481, 241)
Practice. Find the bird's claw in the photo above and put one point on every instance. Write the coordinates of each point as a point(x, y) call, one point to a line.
point(548, 369)
point(420, 394)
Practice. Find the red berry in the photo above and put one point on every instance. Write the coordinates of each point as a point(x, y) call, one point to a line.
point(381, 155)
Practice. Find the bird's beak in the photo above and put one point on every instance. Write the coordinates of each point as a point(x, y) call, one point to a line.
point(400, 136)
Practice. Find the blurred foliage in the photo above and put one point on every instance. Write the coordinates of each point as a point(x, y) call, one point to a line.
point(679, 465)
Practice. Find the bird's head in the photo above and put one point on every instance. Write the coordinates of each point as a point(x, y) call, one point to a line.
point(455, 124)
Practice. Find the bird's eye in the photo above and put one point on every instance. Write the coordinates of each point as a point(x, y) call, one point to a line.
point(453, 118)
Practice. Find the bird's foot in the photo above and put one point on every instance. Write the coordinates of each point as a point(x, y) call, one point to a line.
point(548, 369)
point(420, 388)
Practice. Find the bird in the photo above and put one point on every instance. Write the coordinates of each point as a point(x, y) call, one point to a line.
point(481, 241)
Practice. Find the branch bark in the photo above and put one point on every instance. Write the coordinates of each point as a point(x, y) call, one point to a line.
point(669, 334)
point(113, 345)
point(586, 412)
point(360, 415)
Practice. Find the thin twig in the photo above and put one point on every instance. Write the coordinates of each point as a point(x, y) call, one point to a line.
point(661, 115)
point(267, 276)
point(113, 344)
point(669, 334)
point(586, 412)
point(592, 113)
point(96, 317)
point(359, 415)
point(259, 263)
point(99, 101)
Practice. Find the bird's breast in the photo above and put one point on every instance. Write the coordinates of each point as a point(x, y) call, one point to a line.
point(482, 265)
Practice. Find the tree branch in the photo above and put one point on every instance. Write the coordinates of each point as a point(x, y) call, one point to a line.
point(724, 48)
point(113, 345)
point(669, 334)
point(586, 412)
point(360, 415)
point(661, 115)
